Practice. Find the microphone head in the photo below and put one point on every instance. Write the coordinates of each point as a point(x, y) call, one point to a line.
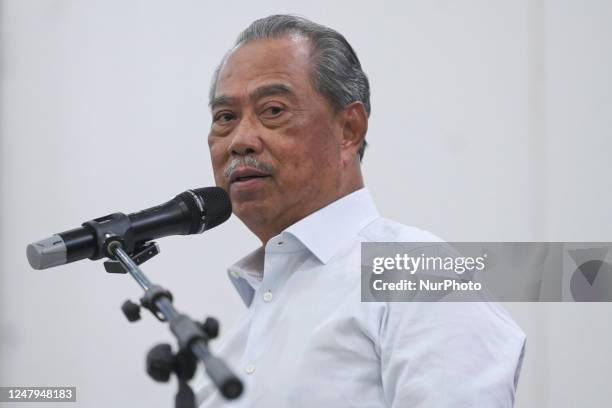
point(217, 207)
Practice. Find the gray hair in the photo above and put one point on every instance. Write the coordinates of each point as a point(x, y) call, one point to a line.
point(336, 72)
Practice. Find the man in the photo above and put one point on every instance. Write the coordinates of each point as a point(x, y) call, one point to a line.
point(290, 106)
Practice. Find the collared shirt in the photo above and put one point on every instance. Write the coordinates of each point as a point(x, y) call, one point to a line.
point(307, 340)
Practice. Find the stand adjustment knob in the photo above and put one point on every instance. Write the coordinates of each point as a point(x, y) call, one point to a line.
point(131, 310)
point(160, 362)
point(210, 327)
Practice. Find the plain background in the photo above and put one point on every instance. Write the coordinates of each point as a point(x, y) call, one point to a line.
point(490, 121)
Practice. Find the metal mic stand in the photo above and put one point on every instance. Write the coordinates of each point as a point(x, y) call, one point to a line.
point(192, 337)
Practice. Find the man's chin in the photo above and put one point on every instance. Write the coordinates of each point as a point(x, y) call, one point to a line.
point(252, 212)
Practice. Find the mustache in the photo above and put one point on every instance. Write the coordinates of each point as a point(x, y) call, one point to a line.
point(247, 161)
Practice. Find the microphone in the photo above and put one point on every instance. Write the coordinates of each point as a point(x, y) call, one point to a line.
point(191, 212)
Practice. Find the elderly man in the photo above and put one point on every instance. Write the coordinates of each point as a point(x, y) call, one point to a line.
point(290, 106)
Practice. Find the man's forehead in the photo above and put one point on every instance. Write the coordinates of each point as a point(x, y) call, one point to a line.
point(262, 61)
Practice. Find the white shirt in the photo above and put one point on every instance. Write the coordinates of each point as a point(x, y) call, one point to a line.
point(307, 340)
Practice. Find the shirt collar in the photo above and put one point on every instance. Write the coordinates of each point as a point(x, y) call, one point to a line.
point(322, 233)
point(325, 230)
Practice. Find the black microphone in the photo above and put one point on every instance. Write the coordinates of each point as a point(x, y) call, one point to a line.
point(191, 212)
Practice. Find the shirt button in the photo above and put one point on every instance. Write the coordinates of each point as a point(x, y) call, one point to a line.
point(267, 297)
point(250, 369)
point(280, 243)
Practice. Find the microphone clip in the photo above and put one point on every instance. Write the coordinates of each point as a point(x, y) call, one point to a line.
point(108, 229)
point(140, 255)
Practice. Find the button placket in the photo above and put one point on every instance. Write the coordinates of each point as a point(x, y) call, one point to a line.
point(277, 266)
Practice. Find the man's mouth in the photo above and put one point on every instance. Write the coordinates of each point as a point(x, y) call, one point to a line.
point(243, 175)
point(245, 178)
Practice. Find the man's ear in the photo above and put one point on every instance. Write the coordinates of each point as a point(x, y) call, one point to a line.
point(354, 129)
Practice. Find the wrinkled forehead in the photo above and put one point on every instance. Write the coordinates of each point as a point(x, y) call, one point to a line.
point(247, 66)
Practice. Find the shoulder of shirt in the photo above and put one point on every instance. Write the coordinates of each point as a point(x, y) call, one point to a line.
point(386, 230)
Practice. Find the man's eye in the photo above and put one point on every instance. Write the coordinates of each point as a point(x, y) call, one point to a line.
point(273, 111)
point(224, 117)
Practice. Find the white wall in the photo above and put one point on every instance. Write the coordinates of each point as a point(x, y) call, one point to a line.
point(491, 121)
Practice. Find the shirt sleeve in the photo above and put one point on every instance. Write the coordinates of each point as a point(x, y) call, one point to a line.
point(449, 354)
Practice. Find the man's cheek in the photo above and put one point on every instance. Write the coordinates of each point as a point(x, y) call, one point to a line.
point(216, 147)
point(221, 180)
point(218, 170)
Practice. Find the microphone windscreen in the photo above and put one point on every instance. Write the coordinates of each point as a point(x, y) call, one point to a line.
point(217, 205)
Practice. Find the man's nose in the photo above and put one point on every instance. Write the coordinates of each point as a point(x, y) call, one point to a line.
point(246, 138)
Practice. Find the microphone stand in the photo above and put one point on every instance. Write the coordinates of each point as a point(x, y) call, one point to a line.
point(192, 337)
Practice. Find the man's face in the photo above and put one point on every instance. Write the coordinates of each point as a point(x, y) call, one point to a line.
point(274, 141)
